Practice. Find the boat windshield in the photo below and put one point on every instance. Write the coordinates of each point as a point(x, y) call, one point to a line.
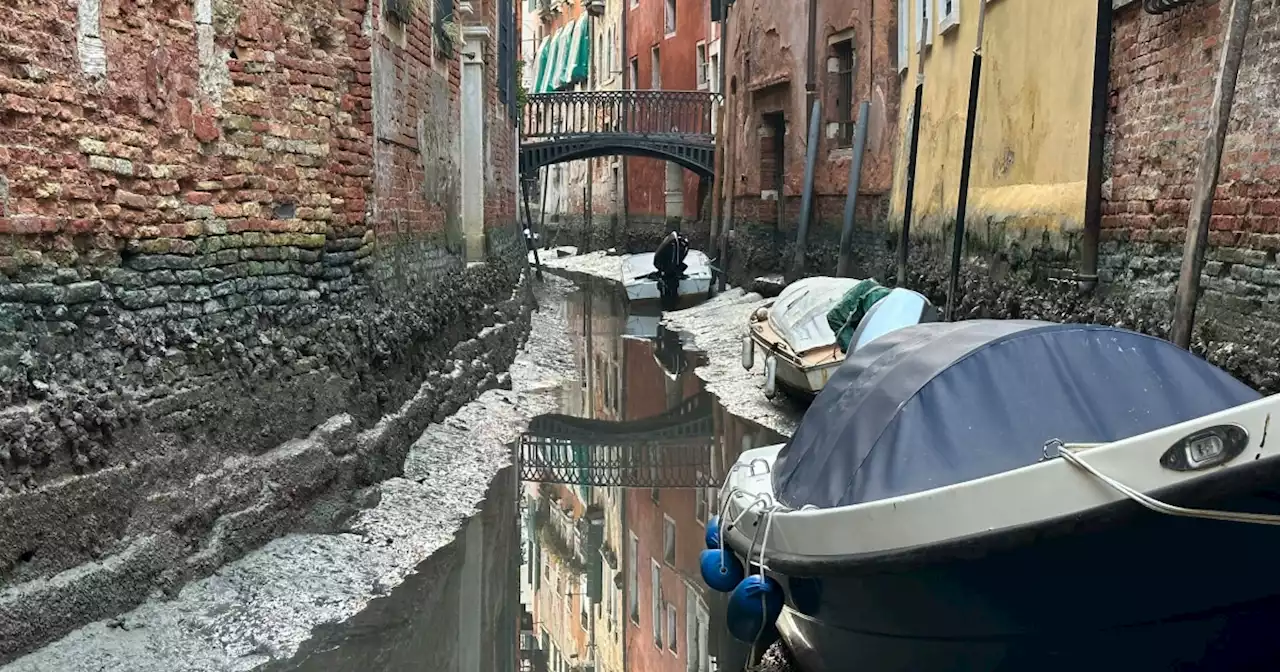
point(799, 314)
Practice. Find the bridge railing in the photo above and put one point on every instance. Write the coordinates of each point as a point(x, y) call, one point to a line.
point(552, 115)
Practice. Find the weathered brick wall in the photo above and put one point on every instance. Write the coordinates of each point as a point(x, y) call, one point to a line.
point(226, 274)
point(1163, 77)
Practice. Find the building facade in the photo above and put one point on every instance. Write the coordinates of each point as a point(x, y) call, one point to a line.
point(767, 66)
point(666, 49)
point(1031, 139)
point(248, 220)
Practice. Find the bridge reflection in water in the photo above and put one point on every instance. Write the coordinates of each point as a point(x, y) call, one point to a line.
point(676, 449)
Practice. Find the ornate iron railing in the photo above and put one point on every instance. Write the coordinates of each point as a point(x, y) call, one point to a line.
point(672, 463)
point(679, 113)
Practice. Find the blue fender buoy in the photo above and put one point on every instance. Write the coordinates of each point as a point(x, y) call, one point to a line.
point(721, 571)
point(713, 532)
point(750, 619)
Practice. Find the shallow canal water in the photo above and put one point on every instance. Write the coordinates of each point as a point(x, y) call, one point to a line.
point(618, 486)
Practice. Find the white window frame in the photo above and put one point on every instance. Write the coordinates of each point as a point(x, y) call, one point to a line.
point(675, 18)
point(947, 21)
point(656, 612)
point(669, 554)
point(633, 580)
point(702, 61)
point(584, 603)
point(924, 25)
point(673, 626)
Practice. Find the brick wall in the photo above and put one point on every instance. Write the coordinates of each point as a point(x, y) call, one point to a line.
point(223, 226)
point(1163, 71)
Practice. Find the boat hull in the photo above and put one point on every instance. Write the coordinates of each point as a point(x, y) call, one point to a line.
point(1136, 589)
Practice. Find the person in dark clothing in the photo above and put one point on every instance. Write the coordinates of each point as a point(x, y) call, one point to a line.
point(669, 262)
point(669, 258)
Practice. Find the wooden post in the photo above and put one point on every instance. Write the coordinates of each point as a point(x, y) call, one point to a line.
point(806, 196)
point(729, 188)
point(717, 185)
point(1206, 183)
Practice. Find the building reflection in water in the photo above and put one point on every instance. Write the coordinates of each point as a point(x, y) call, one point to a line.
point(610, 572)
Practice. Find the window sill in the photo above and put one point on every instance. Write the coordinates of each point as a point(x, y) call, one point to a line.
point(949, 23)
point(667, 36)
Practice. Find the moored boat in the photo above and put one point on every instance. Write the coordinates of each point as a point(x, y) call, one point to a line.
point(643, 282)
point(795, 333)
point(1014, 495)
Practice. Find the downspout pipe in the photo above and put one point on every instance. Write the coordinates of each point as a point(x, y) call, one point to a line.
point(811, 64)
point(1088, 276)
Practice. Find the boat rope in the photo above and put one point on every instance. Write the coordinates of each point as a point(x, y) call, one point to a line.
point(767, 514)
point(1157, 505)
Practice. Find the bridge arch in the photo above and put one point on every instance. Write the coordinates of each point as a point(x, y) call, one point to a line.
point(672, 126)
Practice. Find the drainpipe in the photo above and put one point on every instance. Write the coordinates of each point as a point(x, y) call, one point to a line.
point(1088, 277)
point(626, 85)
point(811, 67)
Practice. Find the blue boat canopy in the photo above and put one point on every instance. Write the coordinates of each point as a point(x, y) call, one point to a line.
point(936, 404)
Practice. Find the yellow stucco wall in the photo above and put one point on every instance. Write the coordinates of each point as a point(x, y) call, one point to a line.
point(1031, 141)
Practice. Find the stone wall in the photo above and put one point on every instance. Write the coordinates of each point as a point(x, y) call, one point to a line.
point(229, 283)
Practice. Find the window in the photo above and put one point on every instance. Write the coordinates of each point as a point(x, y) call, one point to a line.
point(656, 495)
point(633, 73)
point(924, 24)
point(669, 17)
point(635, 3)
point(948, 15)
point(904, 14)
point(700, 61)
point(671, 628)
point(443, 16)
point(669, 541)
point(507, 57)
point(633, 580)
point(655, 602)
point(841, 68)
point(655, 73)
point(584, 603)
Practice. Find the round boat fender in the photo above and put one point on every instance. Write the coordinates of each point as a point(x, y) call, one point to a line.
point(712, 535)
point(754, 607)
point(748, 352)
point(720, 569)
point(770, 376)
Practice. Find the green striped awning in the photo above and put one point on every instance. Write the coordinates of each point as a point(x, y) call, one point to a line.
point(561, 51)
point(580, 54)
point(540, 64)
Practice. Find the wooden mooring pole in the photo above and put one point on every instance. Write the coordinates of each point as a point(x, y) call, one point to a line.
point(1224, 93)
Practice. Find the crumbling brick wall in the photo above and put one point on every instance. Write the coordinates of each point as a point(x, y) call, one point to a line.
point(228, 293)
point(1162, 79)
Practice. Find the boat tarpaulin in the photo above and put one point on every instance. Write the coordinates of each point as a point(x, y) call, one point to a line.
point(799, 314)
point(843, 318)
point(940, 403)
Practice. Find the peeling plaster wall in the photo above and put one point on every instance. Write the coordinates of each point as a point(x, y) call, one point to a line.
point(228, 293)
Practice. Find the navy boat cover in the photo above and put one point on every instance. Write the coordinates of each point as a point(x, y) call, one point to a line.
point(935, 404)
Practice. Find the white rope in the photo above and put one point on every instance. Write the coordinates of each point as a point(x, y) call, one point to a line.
point(1163, 507)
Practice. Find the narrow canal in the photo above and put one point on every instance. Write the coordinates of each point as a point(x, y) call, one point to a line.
point(616, 492)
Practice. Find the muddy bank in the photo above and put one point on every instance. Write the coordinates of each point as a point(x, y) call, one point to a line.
point(288, 604)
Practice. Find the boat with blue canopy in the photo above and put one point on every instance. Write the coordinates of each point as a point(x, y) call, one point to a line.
point(1011, 494)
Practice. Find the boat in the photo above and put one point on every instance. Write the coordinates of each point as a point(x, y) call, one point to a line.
point(794, 330)
point(1002, 495)
point(643, 282)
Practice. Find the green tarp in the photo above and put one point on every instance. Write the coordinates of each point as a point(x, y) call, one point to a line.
point(853, 306)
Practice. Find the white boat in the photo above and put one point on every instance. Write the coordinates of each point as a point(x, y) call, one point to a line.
point(1012, 495)
point(801, 349)
point(642, 281)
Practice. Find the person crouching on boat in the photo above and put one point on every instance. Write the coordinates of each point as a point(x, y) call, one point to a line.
point(669, 262)
point(669, 258)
